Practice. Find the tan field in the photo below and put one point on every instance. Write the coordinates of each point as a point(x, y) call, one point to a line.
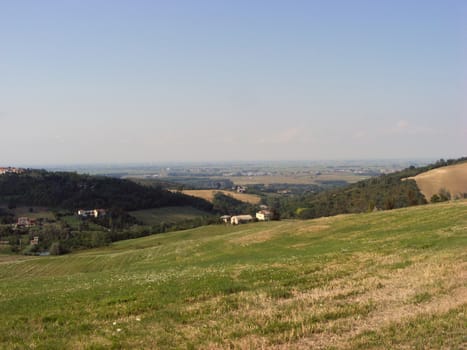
point(295, 179)
point(453, 178)
point(209, 195)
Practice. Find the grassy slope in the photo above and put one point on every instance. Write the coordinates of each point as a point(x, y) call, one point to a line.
point(452, 178)
point(383, 280)
point(168, 215)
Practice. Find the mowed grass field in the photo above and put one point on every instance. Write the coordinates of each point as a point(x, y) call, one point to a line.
point(168, 215)
point(209, 195)
point(383, 280)
point(452, 178)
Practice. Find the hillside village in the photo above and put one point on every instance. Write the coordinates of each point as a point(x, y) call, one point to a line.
point(11, 170)
point(262, 215)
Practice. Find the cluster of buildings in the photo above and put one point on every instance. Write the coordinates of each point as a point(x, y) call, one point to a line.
point(25, 222)
point(262, 215)
point(92, 213)
point(239, 189)
point(10, 170)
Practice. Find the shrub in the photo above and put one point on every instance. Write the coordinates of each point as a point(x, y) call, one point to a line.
point(56, 249)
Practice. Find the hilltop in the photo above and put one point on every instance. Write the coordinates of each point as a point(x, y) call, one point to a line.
point(452, 179)
point(394, 279)
point(388, 191)
point(38, 211)
point(72, 191)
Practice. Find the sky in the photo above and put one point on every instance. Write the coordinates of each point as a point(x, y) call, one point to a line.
point(113, 81)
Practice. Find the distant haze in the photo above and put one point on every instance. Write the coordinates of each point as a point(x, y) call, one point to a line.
point(115, 81)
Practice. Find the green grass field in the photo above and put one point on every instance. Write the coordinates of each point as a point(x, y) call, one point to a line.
point(169, 215)
point(384, 280)
point(74, 222)
point(36, 213)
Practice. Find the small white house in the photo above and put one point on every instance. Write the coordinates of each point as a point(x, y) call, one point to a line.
point(93, 213)
point(264, 215)
point(25, 222)
point(87, 213)
point(225, 218)
point(240, 219)
point(239, 189)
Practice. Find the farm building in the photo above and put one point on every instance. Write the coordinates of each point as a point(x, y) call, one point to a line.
point(240, 219)
point(240, 189)
point(264, 215)
point(25, 222)
point(225, 218)
point(11, 170)
point(91, 213)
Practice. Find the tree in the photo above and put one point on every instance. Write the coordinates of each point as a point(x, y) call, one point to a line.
point(56, 249)
point(444, 195)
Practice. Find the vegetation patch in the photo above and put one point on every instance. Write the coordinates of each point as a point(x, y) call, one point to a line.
point(168, 215)
point(422, 298)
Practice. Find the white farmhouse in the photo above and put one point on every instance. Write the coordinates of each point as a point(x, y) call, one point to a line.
point(240, 219)
point(264, 215)
point(225, 218)
point(91, 213)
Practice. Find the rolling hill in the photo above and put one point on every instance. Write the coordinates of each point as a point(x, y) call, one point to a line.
point(451, 178)
point(387, 191)
point(395, 279)
point(72, 191)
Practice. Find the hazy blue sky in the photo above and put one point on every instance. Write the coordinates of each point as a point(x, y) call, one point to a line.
point(85, 81)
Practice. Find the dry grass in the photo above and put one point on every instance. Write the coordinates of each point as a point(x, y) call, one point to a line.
point(452, 178)
point(209, 195)
point(334, 315)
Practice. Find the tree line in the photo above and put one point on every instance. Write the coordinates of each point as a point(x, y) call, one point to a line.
point(71, 191)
